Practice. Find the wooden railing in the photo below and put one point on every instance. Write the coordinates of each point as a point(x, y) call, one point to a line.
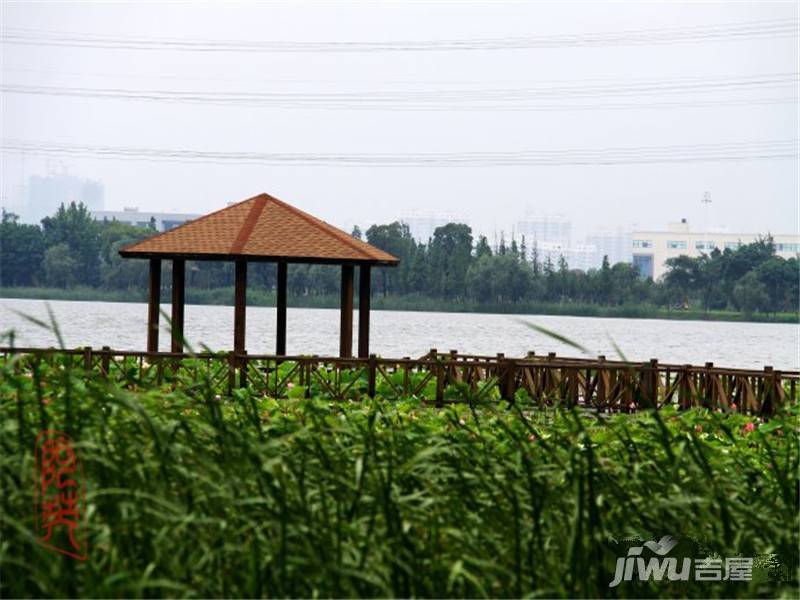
point(440, 378)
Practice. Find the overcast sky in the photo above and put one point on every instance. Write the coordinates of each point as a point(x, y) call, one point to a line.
point(748, 195)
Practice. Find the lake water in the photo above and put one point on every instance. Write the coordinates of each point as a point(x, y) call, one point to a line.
point(122, 326)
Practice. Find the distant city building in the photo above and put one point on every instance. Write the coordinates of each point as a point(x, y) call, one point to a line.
point(422, 225)
point(133, 216)
point(552, 237)
point(545, 229)
point(583, 257)
point(45, 194)
point(651, 249)
point(614, 244)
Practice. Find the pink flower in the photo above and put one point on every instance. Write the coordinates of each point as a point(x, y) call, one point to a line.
point(45, 400)
point(290, 385)
point(733, 407)
point(632, 406)
point(749, 427)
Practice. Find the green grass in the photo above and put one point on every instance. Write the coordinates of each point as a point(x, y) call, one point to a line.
point(191, 493)
point(261, 297)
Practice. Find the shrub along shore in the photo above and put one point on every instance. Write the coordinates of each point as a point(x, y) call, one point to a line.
point(223, 296)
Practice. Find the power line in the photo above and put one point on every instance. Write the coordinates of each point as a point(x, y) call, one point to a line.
point(730, 151)
point(528, 98)
point(375, 82)
point(753, 30)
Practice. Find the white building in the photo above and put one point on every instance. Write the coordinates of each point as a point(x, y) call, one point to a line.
point(614, 244)
point(133, 216)
point(422, 225)
point(550, 229)
point(583, 257)
point(652, 249)
point(45, 194)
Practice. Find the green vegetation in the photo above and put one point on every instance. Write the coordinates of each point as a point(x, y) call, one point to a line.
point(192, 493)
point(78, 256)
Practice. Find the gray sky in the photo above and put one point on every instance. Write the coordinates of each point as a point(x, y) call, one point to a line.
point(758, 195)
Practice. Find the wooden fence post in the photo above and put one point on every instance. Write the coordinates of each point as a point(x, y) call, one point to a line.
point(439, 384)
point(105, 361)
point(707, 396)
point(231, 372)
point(572, 387)
point(653, 382)
point(87, 358)
point(768, 395)
point(372, 375)
point(243, 361)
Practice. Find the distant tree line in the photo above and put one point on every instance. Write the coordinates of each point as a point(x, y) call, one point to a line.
point(70, 248)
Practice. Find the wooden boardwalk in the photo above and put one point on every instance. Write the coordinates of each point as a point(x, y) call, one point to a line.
point(441, 378)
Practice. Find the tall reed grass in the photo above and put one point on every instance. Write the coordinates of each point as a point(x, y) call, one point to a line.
point(192, 494)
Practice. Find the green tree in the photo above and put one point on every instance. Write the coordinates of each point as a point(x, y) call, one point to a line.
point(779, 277)
point(481, 279)
point(60, 267)
point(682, 278)
point(482, 248)
point(21, 251)
point(75, 228)
point(121, 273)
point(394, 238)
point(450, 255)
point(750, 295)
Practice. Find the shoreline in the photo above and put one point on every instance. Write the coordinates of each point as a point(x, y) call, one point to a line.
point(261, 297)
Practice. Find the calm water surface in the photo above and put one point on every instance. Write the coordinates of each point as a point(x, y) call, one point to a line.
point(401, 333)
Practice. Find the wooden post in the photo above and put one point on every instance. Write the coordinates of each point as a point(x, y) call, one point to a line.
point(439, 384)
point(653, 382)
point(346, 309)
point(510, 382)
point(706, 387)
point(105, 361)
point(178, 300)
point(372, 375)
point(231, 372)
point(239, 307)
point(363, 311)
point(280, 332)
point(153, 302)
point(685, 388)
point(242, 360)
point(768, 395)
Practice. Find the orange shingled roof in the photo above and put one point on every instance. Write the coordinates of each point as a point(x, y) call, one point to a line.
point(259, 228)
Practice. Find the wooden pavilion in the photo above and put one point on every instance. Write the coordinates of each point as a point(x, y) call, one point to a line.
point(259, 229)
